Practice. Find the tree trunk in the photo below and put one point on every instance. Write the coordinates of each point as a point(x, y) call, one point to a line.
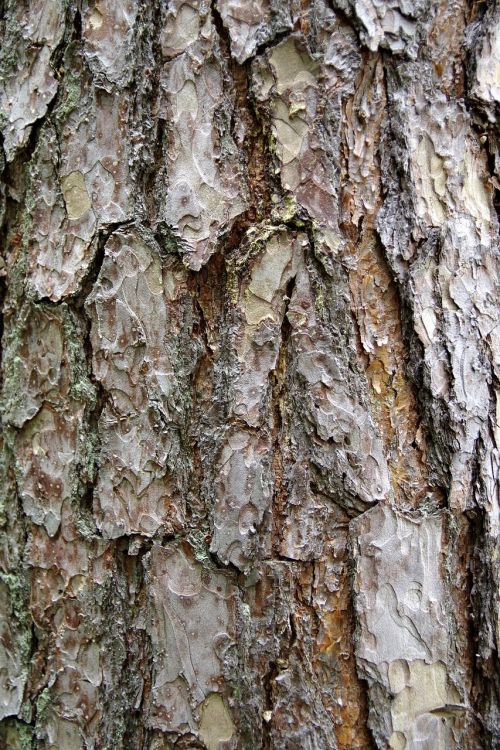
point(250, 445)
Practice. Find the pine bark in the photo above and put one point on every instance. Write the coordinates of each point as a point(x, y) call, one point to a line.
point(250, 405)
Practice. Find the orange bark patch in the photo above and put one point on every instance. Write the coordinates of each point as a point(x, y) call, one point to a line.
point(376, 307)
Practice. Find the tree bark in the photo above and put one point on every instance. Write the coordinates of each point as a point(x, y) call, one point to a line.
point(250, 404)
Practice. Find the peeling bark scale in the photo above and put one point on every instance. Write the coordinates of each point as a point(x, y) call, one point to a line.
point(250, 374)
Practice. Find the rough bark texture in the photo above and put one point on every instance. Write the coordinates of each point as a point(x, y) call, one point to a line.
point(250, 445)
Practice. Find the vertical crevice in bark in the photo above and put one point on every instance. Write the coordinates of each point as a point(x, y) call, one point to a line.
point(280, 430)
point(483, 607)
point(151, 125)
point(209, 289)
